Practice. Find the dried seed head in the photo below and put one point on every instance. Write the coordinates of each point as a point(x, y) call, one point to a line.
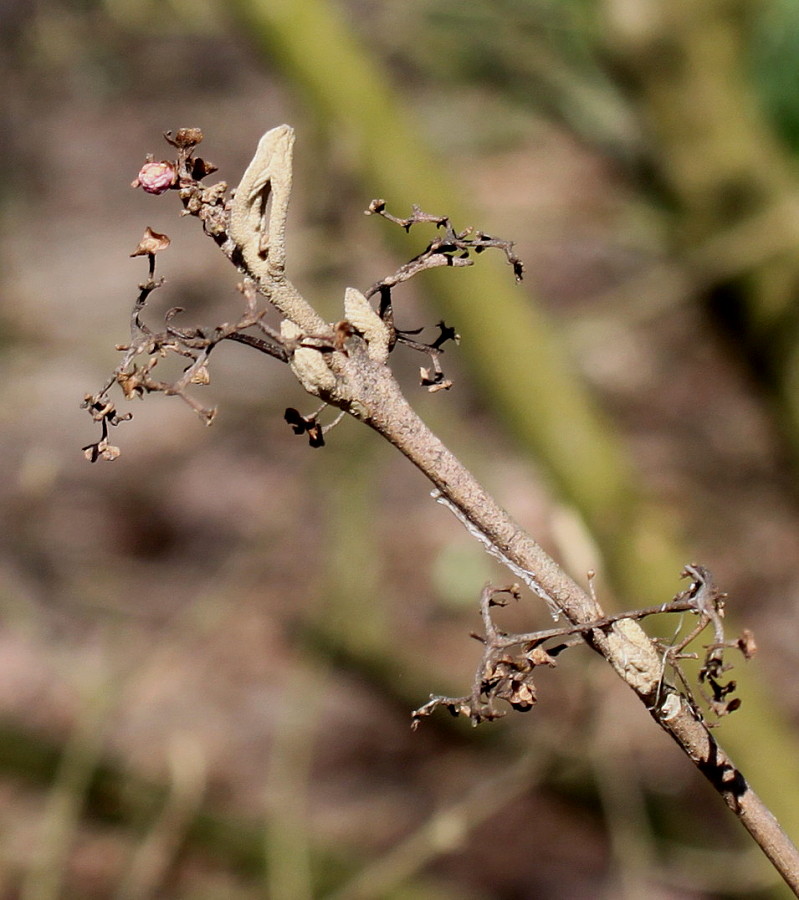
point(185, 137)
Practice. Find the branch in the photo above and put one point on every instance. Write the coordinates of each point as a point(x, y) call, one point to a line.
point(345, 366)
point(624, 644)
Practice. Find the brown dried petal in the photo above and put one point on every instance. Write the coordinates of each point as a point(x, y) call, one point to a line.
point(523, 696)
point(201, 167)
point(152, 242)
point(444, 386)
point(316, 436)
point(746, 644)
point(201, 376)
point(110, 452)
point(101, 450)
point(297, 421)
point(131, 383)
point(538, 656)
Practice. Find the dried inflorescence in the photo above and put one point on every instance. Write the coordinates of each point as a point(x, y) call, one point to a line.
point(105, 413)
point(451, 248)
point(505, 672)
point(135, 379)
point(263, 194)
point(507, 667)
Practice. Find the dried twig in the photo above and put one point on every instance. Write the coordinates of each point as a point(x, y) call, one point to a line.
point(344, 366)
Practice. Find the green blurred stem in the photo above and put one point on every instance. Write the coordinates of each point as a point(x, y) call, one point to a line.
point(65, 801)
point(687, 71)
point(517, 359)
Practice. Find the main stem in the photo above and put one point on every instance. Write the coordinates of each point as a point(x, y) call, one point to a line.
point(391, 415)
point(381, 404)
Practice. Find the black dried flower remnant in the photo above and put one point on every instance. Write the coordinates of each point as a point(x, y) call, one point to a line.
point(305, 425)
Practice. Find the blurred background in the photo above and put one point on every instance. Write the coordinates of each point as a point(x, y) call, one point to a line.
point(210, 648)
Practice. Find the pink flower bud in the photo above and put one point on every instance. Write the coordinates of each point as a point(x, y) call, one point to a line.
point(156, 177)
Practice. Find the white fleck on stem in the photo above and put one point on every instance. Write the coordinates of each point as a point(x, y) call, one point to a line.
point(525, 575)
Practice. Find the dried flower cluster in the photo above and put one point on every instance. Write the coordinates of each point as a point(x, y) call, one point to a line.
point(212, 205)
point(508, 663)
